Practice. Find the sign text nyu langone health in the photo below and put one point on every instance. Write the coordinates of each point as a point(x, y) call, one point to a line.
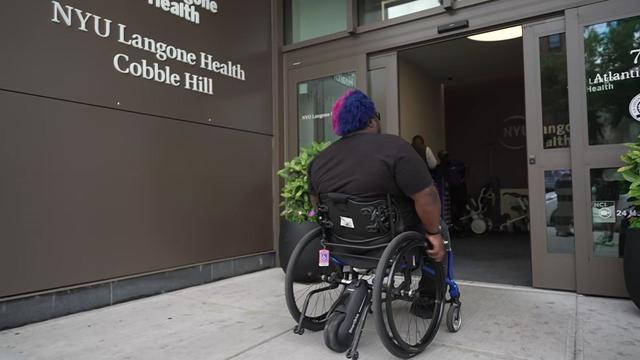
point(186, 9)
point(150, 70)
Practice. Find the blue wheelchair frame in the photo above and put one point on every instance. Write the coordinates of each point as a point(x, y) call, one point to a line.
point(454, 290)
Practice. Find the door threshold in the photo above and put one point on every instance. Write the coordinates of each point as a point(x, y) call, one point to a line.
point(512, 287)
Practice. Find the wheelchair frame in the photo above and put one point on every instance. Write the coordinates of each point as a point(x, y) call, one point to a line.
point(351, 278)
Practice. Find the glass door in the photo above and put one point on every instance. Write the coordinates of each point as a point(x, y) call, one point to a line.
point(312, 91)
point(549, 158)
point(603, 43)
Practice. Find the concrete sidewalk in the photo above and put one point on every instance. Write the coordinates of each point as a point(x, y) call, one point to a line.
point(246, 318)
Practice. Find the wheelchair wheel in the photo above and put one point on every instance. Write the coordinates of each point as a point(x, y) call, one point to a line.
point(297, 287)
point(331, 339)
point(454, 318)
point(396, 289)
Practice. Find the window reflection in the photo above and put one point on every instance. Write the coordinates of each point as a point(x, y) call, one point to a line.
point(559, 211)
point(309, 19)
point(555, 97)
point(608, 202)
point(315, 101)
point(371, 11)
point(613, 74)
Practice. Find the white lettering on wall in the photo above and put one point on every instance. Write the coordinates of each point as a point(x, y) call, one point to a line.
point(58, 10)
point(637, 52)
point(185, 9)
point(162, 51)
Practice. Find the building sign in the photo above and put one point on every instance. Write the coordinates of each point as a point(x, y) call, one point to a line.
point(604, 212)
point(186, 9)
point(612, 62)
point(159, 72)
point(181, 59)
point(556, 136)
point(634, 108)
point(513, 133)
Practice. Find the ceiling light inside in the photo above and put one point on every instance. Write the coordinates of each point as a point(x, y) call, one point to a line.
point(499, 35)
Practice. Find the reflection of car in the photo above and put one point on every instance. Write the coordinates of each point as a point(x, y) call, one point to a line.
point(550, 178)
point(550, 205)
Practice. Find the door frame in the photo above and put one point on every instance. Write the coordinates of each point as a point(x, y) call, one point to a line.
point(595, 275)
point(549, 270)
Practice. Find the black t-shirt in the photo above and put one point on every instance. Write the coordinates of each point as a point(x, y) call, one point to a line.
point(369, 165)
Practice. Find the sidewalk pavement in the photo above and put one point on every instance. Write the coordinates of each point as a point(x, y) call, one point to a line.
point(246, 318)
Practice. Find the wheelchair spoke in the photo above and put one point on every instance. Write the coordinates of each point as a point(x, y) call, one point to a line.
point(304, 283)
point(401, 287)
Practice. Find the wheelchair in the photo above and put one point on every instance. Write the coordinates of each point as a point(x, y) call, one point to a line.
point(371, 262)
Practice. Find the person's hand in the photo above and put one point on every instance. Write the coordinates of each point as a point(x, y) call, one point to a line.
point(436, 250)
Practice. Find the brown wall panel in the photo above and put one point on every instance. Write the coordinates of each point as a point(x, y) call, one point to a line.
point(88, 193)
point(43, 57)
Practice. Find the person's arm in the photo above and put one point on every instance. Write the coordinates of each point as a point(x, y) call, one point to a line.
point(427, 204)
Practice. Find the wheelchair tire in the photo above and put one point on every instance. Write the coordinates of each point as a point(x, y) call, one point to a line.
point(295, 290)
point(454, 318)
point(331, 339)
point(405, 258)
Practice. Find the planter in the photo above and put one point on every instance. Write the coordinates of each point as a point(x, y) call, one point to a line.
point(632, 264)
point(290, 234)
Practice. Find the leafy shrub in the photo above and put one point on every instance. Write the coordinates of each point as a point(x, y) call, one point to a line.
point(631, 173)
point(296, 206)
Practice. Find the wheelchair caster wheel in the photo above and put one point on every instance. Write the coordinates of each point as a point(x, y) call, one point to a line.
point(454, 318)
point(297, 330)
point(353, 355)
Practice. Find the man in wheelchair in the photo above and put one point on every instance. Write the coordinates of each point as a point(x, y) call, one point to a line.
point(378, 209)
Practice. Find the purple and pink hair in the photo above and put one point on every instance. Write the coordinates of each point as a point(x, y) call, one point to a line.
point(352, 112)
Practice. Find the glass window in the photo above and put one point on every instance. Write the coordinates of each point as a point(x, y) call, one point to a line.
point(612, 65)
point(309, 19)
point(559, 211)
point(315, 101)
point(610, 209)
point(555, 98)
point(371, 11)
point(378, 92)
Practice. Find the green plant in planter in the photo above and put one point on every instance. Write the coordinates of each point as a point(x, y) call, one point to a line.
point(296, 206)
point(631, 173)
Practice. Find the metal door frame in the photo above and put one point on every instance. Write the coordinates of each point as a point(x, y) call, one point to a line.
point(595, 275)
point(549, 270)
point(356, 64)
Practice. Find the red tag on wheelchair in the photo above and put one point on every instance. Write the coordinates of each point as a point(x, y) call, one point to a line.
point(323, 258)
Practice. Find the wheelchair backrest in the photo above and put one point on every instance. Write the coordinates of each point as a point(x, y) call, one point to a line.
point(359, 221)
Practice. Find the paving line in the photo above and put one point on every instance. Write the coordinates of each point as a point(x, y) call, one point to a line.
point(259, 344)
point(491, 354)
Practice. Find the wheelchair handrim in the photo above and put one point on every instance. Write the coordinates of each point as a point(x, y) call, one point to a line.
point(390, 323)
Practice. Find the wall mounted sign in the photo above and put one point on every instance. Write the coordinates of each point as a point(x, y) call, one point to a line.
point(634, 108)
point(513, 133)
point(186, 9)
point(604, 212)
point(149, 70)
point(197, 60)
point(612, 63)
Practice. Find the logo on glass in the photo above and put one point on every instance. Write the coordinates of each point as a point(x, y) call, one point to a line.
point(605, 213)
point(634, 107)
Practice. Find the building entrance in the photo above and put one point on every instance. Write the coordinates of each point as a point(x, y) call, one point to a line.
point(538, 121)
point(466, 98)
